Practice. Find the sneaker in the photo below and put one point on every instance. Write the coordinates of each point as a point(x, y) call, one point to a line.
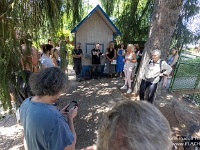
point(124, 87)
point(79, 80)
point(129, 91)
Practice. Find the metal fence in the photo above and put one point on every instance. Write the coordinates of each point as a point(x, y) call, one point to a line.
point(186, 77)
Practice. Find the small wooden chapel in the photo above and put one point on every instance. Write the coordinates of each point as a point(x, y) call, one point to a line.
point(96, 27)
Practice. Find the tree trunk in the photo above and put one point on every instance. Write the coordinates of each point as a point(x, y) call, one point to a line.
point(164, 18)
point(63, 55)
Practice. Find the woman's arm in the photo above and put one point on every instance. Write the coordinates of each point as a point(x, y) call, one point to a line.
point(118, 52)
point(114, 54)
point(123, 53)
point(107, 55)
point(54, 62)
point(134, 58)
point(174, 60)
point(138, 53)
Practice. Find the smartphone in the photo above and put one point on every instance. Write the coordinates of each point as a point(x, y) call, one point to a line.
point(72, 104)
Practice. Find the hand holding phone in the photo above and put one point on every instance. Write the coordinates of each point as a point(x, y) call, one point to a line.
point(71, 105)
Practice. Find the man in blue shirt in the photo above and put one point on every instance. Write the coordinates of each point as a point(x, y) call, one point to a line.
point(45, 127)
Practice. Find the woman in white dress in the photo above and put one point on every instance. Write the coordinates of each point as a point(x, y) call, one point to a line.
point(130, 60)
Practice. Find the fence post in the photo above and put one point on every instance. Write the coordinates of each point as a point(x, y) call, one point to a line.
point(198, 79)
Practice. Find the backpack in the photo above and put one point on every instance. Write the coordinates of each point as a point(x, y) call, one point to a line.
point(161, 71)
point(87, 75)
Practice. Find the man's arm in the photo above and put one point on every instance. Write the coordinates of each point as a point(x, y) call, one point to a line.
point(74, 55)
point(93, 52)
point(78, 56)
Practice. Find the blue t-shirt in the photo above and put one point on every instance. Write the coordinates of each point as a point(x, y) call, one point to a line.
point(45, 128)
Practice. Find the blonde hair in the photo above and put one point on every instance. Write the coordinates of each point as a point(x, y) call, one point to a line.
point(132, 47)
point(139, 126)
point(54, 54)
point(111, 43)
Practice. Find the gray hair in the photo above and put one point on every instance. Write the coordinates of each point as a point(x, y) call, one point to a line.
point(49, 81)
point(136, 125)
point(156, 51)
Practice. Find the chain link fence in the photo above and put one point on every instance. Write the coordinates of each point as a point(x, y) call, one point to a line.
point(186, 77)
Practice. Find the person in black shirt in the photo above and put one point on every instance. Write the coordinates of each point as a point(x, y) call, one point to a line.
point(110, 56)
point(96, 61)
point(77, 53)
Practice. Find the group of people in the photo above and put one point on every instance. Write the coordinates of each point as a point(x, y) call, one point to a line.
point(128, 125)
point(115, 60)
point(50, 56)
point(127, 61)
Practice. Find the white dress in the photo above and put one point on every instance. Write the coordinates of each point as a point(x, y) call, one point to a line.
point(129, 64)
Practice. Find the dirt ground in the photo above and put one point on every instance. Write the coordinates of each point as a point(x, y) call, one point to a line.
point(95, 98)
point(183, 117)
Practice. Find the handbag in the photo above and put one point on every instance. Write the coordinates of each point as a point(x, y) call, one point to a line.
point(114, 62)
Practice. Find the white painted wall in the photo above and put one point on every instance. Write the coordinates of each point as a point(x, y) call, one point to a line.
point(93, 30)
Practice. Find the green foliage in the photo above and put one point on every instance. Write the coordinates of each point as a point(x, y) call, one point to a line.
point(109, 6)
point(186, 65)
point(74, 11)
point(182, 34)
point(24, 21)
point(196, 60)
point(195, 98)
point(20, 21)
point(132, 17)
point(69, 50)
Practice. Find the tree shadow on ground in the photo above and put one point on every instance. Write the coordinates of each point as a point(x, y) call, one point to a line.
point(95, 97)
